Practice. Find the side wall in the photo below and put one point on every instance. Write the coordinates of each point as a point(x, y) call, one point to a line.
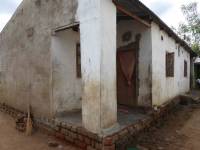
point(67, 90)
point(25, 58)
point(165, 88)
point(145, 59)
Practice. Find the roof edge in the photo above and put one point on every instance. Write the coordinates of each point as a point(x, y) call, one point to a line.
point(165, 27)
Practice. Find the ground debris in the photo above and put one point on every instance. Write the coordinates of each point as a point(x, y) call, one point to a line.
point(171, 135)
point(53, 144)
point(141, 147)
point(160, 148)
point(21, 121)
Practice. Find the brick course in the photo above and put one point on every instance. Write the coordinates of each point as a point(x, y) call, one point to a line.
point(90, 141)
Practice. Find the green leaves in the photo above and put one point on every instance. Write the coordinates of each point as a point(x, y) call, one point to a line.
point(190, 30)
point(196, 48)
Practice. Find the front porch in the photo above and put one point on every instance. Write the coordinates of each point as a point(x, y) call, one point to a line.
point(105, 72)
point(116, 139)
point(125, 117)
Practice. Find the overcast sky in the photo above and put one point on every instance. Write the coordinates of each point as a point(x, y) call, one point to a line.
point(168, 10)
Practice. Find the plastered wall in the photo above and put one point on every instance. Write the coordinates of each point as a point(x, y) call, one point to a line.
point(31, 73)
point(165, 88)
point(67, 87)
point(25, 58)
point(98, 49)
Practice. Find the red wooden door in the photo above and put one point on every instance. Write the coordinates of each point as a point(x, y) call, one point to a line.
point(126, 77)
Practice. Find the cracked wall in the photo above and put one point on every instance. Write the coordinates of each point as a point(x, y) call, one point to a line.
point(25, 58)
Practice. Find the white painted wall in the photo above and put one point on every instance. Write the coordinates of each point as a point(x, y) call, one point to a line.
point(165, 88)
point(26, 58)
point(98, 45)
point(67, 88)
point(145, 56)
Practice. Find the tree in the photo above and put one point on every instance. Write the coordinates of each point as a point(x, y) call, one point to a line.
point(190, 30)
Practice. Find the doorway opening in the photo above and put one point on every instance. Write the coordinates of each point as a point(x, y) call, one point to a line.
point(127, 74)
point(66, 74)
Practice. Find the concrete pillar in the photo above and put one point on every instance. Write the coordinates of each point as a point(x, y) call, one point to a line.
point(98, 53)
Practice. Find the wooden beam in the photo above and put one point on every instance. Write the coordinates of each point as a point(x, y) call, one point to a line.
point(69, 26)
point(123, 10)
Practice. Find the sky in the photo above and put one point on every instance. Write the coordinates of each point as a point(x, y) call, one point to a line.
point(168, 10)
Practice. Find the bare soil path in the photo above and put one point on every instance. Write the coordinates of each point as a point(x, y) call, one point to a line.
point(181, 131)
point(11, 139)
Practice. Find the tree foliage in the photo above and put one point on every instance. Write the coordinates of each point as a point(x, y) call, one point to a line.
point(190, 30)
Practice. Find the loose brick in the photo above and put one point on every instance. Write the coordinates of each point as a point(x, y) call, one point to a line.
point(60, 135)
point(81, 144)
point(123, 133)
point(115, 137)
point(57, 128)
point(74, 129)
point(87, 140)
point(108, 141)
point(98, 146)
point(90, 148)
point(74, 135)
point(92, 143)
point(100, 139)
point(63, 130)
point(69, 139)
point(112, 147)
point(67, 132)
point(67, 126)
point(80, 137)
point(92, 135)
point(82, 131)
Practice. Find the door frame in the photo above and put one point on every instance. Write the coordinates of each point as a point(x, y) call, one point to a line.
point(136, 46)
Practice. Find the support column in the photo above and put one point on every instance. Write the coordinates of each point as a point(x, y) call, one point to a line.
point(98, 53)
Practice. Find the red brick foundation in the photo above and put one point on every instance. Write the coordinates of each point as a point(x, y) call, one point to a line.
point(90, 141)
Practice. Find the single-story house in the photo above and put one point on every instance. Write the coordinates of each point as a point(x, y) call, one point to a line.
point(196, 80)
point(92, 57)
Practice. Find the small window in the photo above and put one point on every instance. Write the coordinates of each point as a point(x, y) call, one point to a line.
point(185, 68)
point(162, 38)
point(169, 64)
point(179, 50)
point(78, 61)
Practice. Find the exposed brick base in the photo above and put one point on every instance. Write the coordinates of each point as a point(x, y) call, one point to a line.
point(90, 141)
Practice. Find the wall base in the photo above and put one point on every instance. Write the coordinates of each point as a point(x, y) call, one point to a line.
point(89, 141)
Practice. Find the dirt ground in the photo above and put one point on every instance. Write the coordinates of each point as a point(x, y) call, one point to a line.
point(180, 131)
point(11, 139)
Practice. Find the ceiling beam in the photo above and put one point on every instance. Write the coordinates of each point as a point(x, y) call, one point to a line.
point(123, 10)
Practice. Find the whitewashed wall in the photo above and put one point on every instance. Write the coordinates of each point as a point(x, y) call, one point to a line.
point(66, 86)
point(26, 57)
point(165, 88)
point(98, 49)
point(145, 56)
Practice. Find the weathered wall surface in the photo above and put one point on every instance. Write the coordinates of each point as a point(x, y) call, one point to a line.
point(98, 53)
point(165, 88)
point(25, 58)
point(145, 56)
point(67, 91)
